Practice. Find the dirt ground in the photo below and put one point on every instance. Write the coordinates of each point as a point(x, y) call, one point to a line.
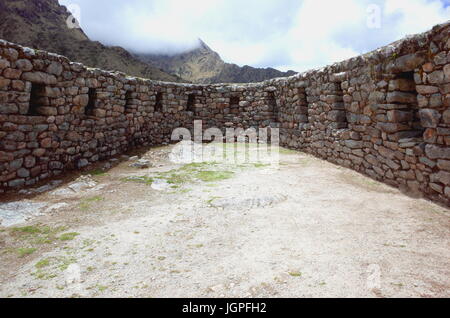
point(306, 229)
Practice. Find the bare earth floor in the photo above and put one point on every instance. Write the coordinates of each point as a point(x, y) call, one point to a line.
point(309, 229)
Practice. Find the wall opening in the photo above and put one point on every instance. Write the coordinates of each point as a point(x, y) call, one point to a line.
point(409, 76)
point(272, 103)
point(404, 84)
point(234, 101)
point(338, 113)
point(301, 109)
point(89, 109)
point(159, 102)
point(37, 96)
point(128, 100)
point(191, 103)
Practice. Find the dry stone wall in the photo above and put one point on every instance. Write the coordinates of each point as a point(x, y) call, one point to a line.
point(385, 114)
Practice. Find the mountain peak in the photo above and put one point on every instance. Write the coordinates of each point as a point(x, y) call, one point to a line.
point(204, 46)
point(43, 26)
point(203, 65)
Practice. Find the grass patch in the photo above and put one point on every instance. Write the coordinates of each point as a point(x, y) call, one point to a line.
point(94, 199)
point(295, 274)
point(185, 174)
point(65, 262)
point(144, 179)
point(210, 201)
point(261, 165)
point(39, 274)
point(88, 243)
point(86, 203)
point(24, 251)
point(68, 236)
point(37, 234)
point(181, 191)
point(97, 173)
point(102, 288)
point(28, 229)
point(42, 263)
point(285, 151)
point(33, 236)
point(214, 176)
point(176, 179)
point(189, 173)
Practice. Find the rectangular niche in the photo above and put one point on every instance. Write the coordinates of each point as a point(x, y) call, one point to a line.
point(234, 101)
point(272, 103)
point(301, 107)
point(191, 103)
point(403, 92)
point(37, 99)
point(159, 102)
point(338, 113)
point(128, 99)
point(89, 109)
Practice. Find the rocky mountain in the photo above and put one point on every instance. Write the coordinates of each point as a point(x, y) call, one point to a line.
point(203, 65)
point(41, 24)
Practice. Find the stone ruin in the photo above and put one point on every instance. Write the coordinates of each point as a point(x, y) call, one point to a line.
point(385, 114)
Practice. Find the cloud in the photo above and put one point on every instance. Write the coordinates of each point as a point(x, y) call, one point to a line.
point(285, 34)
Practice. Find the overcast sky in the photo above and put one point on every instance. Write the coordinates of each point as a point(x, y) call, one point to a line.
point(284, 34)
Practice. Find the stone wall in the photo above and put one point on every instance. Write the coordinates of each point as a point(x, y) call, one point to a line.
point(385, 114)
